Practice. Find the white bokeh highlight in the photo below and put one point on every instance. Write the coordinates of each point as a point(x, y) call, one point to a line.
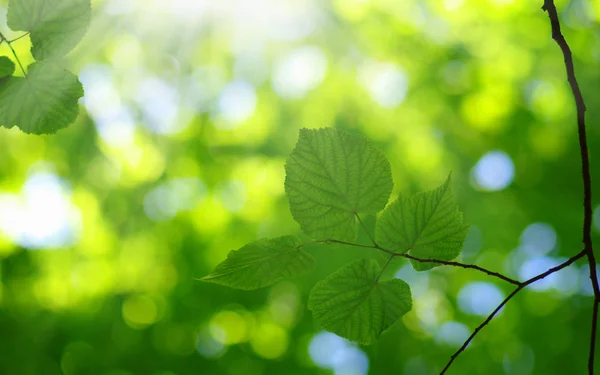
point(452, 334)
point(165, 201)
point(236, 104)
point(386, 83)
point(494, 171)
point(299, 72)
point(329, 351)
point(538, 239)
point(41, 216)
point(479, 298)
point(113, 118)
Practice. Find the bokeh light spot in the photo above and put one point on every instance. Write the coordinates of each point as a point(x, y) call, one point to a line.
point(494, 171)
point(479, 298)
point(299, 72)
point(229, 327)
point(113, 119)
point(236, 104)
point(140, 311)
point(566, 281)
point(330, 351)
point(418, 281)
point(452, 334)
point(159, 102)
point(233, 195)
point(386, 83)
point(176, 195)
point(207, 346)
point(269, 341)
point(42, 215)
point(538, 239)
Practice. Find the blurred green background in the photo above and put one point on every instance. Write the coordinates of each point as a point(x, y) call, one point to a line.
point(191, 108)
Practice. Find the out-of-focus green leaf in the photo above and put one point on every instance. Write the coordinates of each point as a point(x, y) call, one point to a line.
point(429, 225)
point(7, 67)
point(354, 304)
point(41, 103)
point(330, 177)
point(262, 263)
point(56, 26)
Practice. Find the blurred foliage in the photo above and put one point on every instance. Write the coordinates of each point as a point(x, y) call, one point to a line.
point(191, 108)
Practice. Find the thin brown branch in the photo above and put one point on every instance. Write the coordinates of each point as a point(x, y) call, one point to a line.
point(510, 296)
point(462, 265)
point(550, 8)
point(422, 260)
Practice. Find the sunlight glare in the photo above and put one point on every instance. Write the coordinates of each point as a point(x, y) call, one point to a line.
point(42, 215)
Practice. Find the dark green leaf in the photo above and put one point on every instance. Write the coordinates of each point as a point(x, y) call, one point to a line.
point(354, 304)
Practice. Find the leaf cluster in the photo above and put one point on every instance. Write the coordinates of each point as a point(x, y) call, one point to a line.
point(46, 98)
point(332, 178)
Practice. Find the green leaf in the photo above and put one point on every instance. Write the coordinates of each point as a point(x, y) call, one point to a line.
point(56, 26)
point(428, 224)
point(354, 304)
point(262, 263)
point(7, 67)
point(43, 102)
point(331, 176)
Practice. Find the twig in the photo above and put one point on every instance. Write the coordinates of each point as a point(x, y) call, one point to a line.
point(550, 8)
point(436, 261)
point(469, 266)
point(510, 296)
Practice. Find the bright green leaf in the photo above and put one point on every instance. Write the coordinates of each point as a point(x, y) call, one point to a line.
point(429, 225)
point(331, 176)
point(56, 26)
point(262, 263)
point(7, 67)
point(43, 102)
point(354, 304)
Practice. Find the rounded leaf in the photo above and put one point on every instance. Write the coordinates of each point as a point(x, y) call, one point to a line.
point(331, 176)
point(354, 304)
point(56, 26)
point(41, 103)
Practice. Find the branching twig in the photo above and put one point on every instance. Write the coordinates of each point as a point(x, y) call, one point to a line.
point(510, 296)
point(587, 199)
point(550, 8)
